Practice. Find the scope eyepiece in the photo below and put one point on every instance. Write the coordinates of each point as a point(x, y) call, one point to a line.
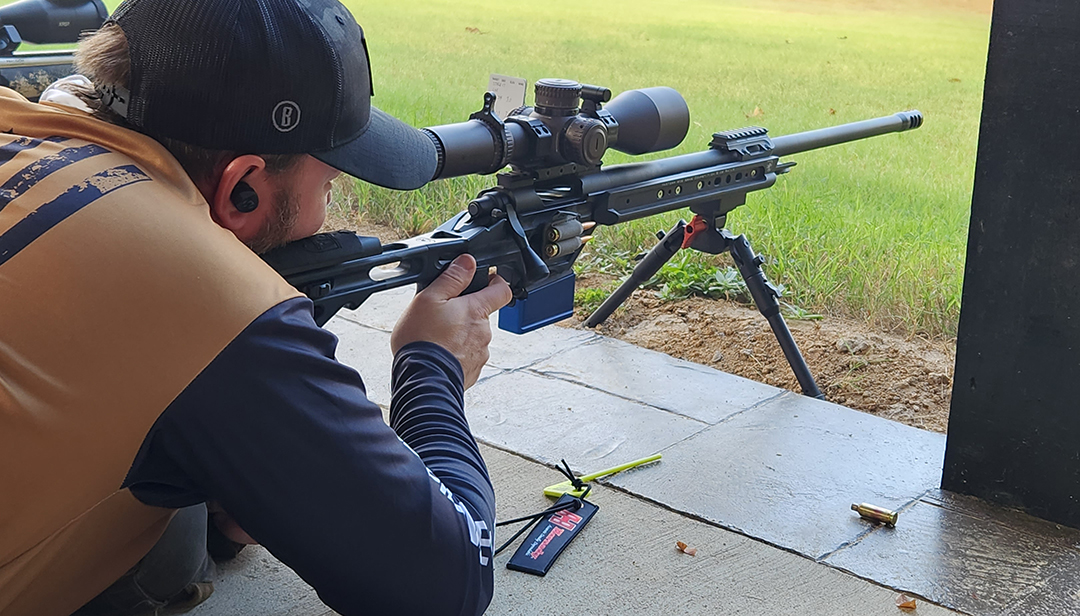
point(53, 21)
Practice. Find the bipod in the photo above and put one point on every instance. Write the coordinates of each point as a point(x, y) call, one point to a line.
point(712, 238)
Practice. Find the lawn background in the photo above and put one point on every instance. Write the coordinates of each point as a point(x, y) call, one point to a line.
point(875, 230)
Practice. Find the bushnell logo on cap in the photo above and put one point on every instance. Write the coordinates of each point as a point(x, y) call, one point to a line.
point(286, 116)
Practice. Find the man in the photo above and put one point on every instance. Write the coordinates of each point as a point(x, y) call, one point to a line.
point(151, 362)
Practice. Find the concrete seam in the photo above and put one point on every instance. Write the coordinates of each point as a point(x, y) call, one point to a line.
point(756, 405)
point(739, 531)
point(344, 317)
point(845, 545)
point(866, 533)
point(557, 376)
point(585, 342)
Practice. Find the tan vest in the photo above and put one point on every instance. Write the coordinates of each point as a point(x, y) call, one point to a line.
point(116, 290)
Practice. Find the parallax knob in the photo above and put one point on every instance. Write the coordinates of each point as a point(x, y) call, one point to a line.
point(584, 141)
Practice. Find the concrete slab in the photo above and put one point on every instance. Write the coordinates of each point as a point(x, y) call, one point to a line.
point(547, 419)
point(513, 351)
point(656, 379)
point(508, 351)
point(974, 557)
point(367, 350)
point(624, 562)
point(778, 467)
point(1056, 596)
point(381, 311)
point(257, 584)
point(788, 471)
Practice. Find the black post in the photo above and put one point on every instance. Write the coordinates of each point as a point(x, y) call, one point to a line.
point(1014, 431)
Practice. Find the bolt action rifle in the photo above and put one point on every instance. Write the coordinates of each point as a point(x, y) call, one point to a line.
point(532, 225)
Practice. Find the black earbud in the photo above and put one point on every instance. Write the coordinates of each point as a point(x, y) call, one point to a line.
point(244, 198)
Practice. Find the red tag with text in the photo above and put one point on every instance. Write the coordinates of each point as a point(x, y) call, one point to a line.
point(550, 537)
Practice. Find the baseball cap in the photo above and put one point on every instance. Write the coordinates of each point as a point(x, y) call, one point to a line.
point(267, 77)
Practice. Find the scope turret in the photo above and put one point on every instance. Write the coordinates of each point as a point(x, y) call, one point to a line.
point(570, 123)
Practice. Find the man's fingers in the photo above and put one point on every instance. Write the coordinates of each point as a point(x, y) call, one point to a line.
point(492, 297)
point(454, 279)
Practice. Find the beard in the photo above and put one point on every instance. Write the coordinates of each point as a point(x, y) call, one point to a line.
point(279, 225)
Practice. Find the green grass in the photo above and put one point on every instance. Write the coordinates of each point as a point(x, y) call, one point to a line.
point(875, 229)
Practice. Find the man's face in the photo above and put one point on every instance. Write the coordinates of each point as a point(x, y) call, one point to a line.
point(301, 196)
point(312, 187)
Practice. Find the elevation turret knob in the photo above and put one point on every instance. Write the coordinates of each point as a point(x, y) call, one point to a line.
point(558, 97)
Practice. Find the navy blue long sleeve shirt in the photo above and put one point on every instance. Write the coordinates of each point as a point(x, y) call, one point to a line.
point(377, 519)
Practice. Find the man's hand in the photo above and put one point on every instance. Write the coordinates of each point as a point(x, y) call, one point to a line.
point(458, 324)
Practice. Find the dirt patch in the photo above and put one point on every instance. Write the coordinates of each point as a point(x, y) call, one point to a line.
point(904, 379)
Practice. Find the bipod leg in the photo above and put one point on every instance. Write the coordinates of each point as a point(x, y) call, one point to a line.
point(765, 296)
point(660, 254)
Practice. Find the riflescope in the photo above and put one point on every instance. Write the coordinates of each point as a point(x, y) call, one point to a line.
point(569, 123)
point(53, 21)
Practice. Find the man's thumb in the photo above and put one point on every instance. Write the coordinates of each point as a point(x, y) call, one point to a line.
point(454, 279)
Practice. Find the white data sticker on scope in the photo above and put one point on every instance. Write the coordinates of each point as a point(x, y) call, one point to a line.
point(509, 93)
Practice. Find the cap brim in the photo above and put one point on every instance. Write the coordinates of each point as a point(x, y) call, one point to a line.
point(389, 153)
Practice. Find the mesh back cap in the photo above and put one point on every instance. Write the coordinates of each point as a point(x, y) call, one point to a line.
point(266, 77)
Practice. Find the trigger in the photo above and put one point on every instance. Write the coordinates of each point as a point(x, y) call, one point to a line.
point(479, 281)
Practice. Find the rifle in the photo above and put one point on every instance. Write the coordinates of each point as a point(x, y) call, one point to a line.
point(549, 203)
point(45, 22)
point(532, 225)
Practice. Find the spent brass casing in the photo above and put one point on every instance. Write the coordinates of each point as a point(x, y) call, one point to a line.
point(875, 513)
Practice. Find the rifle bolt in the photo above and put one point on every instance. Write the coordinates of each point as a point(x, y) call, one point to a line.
point(498, 214)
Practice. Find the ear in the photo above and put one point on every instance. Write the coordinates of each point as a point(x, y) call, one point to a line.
point(244, 225)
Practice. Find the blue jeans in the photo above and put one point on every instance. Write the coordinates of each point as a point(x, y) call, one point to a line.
point(165, 575)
